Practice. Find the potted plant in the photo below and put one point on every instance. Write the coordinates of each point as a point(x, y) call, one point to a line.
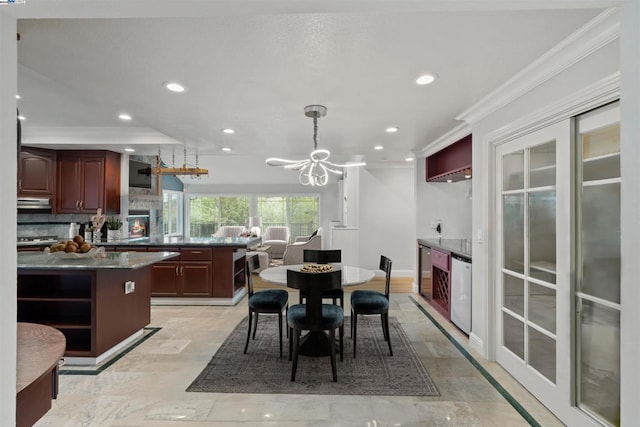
point(114, 224)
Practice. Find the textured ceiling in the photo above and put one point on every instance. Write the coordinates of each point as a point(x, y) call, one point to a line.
point(255, 73)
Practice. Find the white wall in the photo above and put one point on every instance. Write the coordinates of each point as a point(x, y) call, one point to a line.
point(449, 202)
point(630, 149)
point(9, 164)
point(387, 218)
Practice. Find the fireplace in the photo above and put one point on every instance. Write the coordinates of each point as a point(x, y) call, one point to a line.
point(138, 223)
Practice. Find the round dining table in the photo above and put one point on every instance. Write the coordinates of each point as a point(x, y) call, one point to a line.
point(316, 343)
point(351, 276)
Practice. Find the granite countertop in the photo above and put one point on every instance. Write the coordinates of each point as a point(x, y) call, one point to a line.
point(166, 241)
point(188, 241)
point(104, 260)
point(457, 246)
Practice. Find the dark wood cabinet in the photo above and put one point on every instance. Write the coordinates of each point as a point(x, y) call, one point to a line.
point(441, 281)
point(88, 180)
point(452, 163)
point(36, 172)
point(88, 306)
point(189, 275)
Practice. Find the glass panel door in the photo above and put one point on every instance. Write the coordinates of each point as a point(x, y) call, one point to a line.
point(597, 294)
point(529, 261)
point(532, 259)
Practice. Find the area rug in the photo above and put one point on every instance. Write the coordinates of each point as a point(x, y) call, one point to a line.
point(372, 372)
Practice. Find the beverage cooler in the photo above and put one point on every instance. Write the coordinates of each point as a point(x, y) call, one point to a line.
point(424, 271)
point(461, 293)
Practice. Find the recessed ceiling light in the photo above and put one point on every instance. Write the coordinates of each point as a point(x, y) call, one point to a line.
point(18, 96)
point(425, 79)
point(228, 130)
point(124, 116)
point(22, 118)
point(378, 147)
point(408, 159)
point(174, 87)
point(449, 180)
point(226, 149)
point(467, 176)
point(392, 129)
point(129, 150)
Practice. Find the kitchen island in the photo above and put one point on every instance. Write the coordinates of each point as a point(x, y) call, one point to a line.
point(100, 304)
point(208, 271)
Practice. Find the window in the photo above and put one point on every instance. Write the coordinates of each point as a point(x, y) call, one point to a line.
point(299, 213)
point(208, 213)
point(172, 212)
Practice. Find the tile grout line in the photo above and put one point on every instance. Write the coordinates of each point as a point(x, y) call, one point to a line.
point(509, 398)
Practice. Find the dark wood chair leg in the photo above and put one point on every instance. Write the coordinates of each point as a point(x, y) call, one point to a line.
point(386, 328)
point(255, 325)
point(332, 337)
point(246, 345)
point(341, 344)
point(290, 333)
point(280, 330)
point(354, 334)
point(353, 315)
point(294, 365)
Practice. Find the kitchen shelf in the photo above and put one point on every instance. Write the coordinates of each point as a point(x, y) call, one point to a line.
point(451, 163)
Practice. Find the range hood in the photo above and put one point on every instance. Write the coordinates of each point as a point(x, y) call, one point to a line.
point(34, 203)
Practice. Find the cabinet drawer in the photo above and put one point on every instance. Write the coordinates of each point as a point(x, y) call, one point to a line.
point(130, 249)
point(441, 260)
point(196, 254)
point(165, 249)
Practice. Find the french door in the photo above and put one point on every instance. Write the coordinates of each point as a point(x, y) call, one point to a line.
point(533, 258)
point(557, 265)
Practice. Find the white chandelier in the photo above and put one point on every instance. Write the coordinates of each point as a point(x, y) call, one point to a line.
point(314, 170)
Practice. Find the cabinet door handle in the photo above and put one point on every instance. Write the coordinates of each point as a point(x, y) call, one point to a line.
point(20, 184)
point(182, 271)
point(177, 270)
point(196, 252)
point(78, 204)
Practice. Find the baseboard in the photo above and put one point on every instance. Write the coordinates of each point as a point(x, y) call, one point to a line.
point(477, 343)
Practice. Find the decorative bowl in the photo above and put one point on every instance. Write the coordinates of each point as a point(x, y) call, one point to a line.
point(75, 255)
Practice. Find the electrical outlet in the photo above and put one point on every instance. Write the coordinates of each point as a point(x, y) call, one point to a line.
point(129, 287)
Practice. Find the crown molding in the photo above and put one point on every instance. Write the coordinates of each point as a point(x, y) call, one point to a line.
point(599, 93)
point(454, 135)
point(78, 135)
point(600, 31)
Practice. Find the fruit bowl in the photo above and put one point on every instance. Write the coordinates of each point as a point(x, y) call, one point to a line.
point(75, 255)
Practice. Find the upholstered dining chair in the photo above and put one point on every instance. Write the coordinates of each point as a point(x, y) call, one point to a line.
point(372, 302)
point(273, 301)
point(325, 257)
point(314, 316)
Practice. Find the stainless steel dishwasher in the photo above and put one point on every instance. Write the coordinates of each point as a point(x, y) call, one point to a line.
point(461, 292)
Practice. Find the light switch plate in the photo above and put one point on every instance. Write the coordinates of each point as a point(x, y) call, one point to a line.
point(129, 287)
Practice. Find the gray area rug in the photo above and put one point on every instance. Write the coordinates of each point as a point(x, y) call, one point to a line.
point(261, 370)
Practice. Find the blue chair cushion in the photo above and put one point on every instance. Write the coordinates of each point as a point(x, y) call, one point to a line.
point(269, 299)
point(369, 301)
point(332, 316)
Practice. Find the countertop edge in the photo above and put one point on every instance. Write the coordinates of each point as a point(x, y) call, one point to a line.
point(442, 244)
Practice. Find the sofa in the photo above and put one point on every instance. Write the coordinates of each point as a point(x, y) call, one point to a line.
point(294, 252)
point(277, 238)
point(230, 231)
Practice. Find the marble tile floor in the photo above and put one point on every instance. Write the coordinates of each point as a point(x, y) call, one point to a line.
point(147, 386)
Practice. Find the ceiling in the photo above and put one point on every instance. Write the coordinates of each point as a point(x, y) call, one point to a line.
point(255, 74)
